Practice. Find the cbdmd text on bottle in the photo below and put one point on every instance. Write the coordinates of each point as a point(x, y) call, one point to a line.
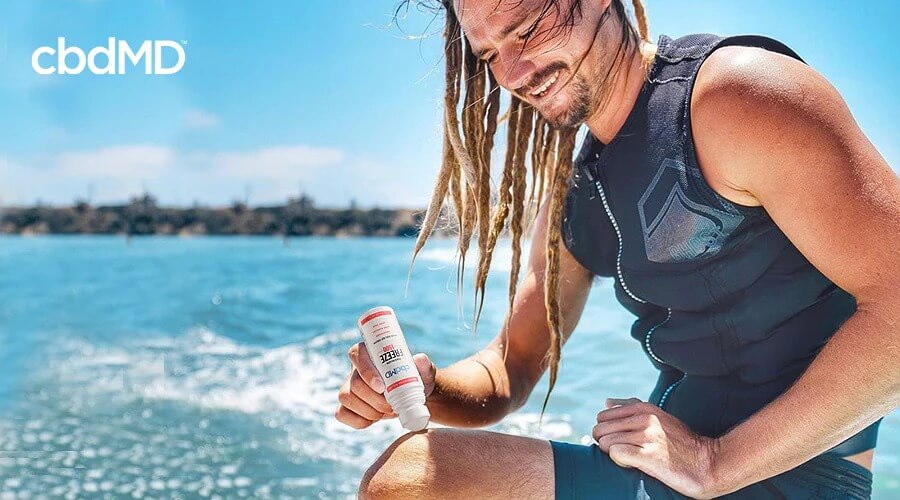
point(388, 351)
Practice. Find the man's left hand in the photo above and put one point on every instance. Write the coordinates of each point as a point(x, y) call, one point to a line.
point(640, 435)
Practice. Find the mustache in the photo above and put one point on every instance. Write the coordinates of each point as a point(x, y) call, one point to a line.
point(540, 77)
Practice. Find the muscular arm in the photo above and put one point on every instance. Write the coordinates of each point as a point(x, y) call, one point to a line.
point(770, 131)
point(482, 389)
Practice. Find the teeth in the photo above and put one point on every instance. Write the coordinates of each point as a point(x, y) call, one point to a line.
point(543, 88)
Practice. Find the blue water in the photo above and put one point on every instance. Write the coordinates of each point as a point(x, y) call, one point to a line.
point(210, 366)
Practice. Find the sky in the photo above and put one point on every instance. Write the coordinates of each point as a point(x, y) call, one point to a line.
point(328, 97)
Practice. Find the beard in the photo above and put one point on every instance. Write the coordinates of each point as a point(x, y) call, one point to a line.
point(577, 109)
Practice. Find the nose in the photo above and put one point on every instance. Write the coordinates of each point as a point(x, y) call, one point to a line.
point(515, 68)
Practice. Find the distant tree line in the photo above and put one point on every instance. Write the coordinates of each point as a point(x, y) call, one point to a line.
point(142, 216)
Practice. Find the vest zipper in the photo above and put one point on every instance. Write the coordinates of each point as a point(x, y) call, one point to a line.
point(621, 279)
point(665, 395)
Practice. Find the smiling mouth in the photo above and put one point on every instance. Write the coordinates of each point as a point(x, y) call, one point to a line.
point(544, 88)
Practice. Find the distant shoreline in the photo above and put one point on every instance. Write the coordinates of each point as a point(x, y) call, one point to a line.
point(142, 216)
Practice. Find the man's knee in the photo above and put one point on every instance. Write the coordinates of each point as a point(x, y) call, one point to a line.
point(402, 470)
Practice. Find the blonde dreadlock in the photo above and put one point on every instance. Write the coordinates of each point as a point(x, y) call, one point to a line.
point(464, 178)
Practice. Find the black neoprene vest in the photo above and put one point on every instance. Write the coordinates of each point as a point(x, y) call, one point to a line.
point(727, 308)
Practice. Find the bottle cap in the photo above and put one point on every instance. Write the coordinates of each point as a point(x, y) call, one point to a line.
point(415, 418)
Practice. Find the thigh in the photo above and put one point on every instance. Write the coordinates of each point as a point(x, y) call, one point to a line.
point(585, 471)
point(456, 463)
point(467, 464)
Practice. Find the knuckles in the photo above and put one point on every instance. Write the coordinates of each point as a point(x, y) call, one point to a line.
point(646, 420)
point(647, 407)
point(605, 443)
point(622, 455)
point(356, 382)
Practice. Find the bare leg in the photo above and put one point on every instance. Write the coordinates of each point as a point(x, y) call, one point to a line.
point(468, 464)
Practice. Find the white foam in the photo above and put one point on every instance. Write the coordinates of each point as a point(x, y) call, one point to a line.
point(210, 343)
point(445, 256)
point(530, 424)
point(292, 387)
point(341, 337)
point(210, 371)
point(288, 378)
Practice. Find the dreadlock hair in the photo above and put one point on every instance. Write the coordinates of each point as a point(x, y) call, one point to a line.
point(464, 178)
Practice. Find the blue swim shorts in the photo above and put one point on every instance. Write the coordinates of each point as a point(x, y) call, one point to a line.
point(587, 472)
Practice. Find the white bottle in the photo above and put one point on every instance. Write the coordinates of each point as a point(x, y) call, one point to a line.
point(388, 351)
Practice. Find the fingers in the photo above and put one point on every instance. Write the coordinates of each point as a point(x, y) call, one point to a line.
point(361, 397)
point(427, 371)
point(359, 357)
point(641, 435)
point(625, 455)
point(635, 438)
point(345, 416)
point(356, 404)
point(632, 423)
point(355, 412)
point(641, 438)
point(424, 365)
point(362, 400)
point(613, 402)
point(632, 407)
point(366, 394)
point(626, 421)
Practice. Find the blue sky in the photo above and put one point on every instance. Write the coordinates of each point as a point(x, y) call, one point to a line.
point(319, 95)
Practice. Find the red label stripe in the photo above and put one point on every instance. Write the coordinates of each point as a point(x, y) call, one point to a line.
point(373, 316)
point(407, 380)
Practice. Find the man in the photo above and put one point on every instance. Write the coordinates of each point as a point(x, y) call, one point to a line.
point(748, 223)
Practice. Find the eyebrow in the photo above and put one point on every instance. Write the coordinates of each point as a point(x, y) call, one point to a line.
point(509, 28)
point(515, 23)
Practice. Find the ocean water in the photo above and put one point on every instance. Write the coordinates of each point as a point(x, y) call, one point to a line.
point(182, 368)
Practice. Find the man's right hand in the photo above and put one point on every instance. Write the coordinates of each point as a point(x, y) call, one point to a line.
point(361, 397)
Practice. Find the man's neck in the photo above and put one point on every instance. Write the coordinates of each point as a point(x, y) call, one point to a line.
point(605, 123)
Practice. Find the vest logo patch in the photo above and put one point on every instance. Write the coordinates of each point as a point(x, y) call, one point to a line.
point(676, 228)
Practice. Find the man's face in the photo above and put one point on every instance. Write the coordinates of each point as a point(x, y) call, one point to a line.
point(533, 55)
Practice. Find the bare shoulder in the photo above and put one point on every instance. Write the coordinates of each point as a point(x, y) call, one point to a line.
point(747, 101)
point(739, 73)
